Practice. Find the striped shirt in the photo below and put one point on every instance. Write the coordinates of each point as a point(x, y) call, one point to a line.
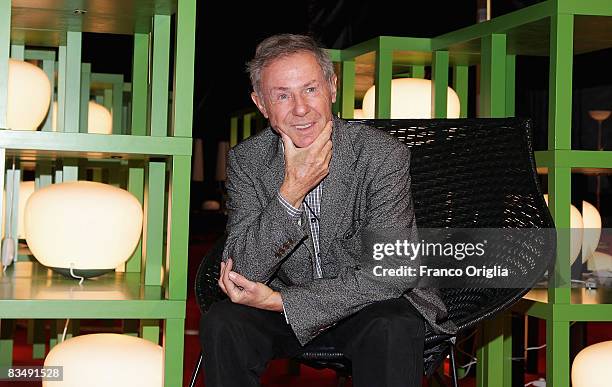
point(312, 206)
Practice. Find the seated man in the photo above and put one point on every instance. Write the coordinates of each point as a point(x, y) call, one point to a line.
point(302, 196)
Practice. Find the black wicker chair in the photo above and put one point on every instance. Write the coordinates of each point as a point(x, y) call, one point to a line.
point(466, 173)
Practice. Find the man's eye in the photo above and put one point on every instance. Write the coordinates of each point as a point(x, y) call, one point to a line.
point(311, 90)
point(282, 97)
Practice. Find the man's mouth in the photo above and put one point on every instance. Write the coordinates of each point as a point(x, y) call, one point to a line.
point(304, 126)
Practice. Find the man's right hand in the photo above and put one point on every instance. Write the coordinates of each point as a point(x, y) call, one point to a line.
point(305, 167)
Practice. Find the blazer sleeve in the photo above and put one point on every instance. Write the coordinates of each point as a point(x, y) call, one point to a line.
point(259, 236)
point(313, 307)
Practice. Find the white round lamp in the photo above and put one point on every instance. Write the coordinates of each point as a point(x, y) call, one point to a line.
point(107, 359)
point(592, 230)
point(358, 114)
point(82, 228)
point(591, 367)
point(29, 95)
point(99, 119)
point(411, 98)
point(577, 226)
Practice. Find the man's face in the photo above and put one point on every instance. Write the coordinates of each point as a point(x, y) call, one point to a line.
point(296, 98)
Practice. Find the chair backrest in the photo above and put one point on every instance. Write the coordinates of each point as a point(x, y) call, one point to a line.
point(476, 173)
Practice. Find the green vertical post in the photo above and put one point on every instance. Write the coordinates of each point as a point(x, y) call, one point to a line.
point(136, 188)
point(140, 84)
point(155, 182)
point(560, 81)
point(507, 349)
point(7, 329)
point(149, 330)
point(49, 69)
point(559, 203)
point(418, 71)
point(384, 59)
point(5, 41)
point(233, 131)
point(439, 85)
point(117, 108)
point(176, 258)
point(174, 331)
point(557, 353)
point(85, 86)
point(460, 85)
point(489, 369)
point(72, 101)
point(108, 99)
point(493, 76)
point(182, 101)
point(246, 125)
point(159, 78)
point(348, 89)
point(510, 85)
point(61, 88)
point(18, 51)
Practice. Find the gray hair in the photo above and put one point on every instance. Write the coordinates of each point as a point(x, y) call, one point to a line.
point(282, 45)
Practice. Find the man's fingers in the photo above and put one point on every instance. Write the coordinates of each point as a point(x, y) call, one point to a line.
point(241, 281)
point(220, 280)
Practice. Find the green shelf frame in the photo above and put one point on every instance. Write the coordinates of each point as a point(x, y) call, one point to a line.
point(147, 153)
point(558, 29)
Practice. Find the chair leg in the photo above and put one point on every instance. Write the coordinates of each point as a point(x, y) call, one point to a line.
point(196, 370)
point(453, 367)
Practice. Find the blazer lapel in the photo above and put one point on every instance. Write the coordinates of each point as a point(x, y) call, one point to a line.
point(336, 186)
point(275, 161)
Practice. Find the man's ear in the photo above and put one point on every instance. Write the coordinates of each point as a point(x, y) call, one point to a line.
point(259, 103)
point(334, 88)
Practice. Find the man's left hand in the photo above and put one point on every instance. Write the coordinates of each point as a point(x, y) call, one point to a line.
point(240, 290)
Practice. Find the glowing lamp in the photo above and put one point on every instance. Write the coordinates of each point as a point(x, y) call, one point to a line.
point(107, 359)
point(411, 98)
point(591, 367)
point(576, 225)
point(591, 220)
point(99, 119)
point(85, 227)
point(358, 114)
point(29, 95)
point(601, 264)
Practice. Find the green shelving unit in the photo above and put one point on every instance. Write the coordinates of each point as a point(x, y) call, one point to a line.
point(152, 149)
point(558, 29)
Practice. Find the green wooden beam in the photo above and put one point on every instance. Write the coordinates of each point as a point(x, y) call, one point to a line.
point(117, 109)
point(183, 69)
point(159, 79)
point(460, 85)
point(439, 85)
point(176, 258)
point(559, 201)
point(18, 51)
point(493, 76)
point(384, 64)
point(347, 88)
point(85, 90)
point(418, 71)
point(140, 84)
point(173, 340)
point(136, 188)
point(72, 100)
point(585, 7)
point(560, 81)
point(154, 199)
point(510, 85)
point(557, 353)
point(246, 125)
point(49, 69)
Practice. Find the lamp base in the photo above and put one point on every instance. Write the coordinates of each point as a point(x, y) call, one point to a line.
point(85, 273)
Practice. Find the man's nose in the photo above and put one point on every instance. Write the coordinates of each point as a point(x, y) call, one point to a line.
point(300, 106)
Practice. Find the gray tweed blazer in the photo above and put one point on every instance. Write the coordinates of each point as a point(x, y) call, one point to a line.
point(367, 190)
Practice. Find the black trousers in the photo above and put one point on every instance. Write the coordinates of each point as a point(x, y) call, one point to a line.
point(384, 342)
